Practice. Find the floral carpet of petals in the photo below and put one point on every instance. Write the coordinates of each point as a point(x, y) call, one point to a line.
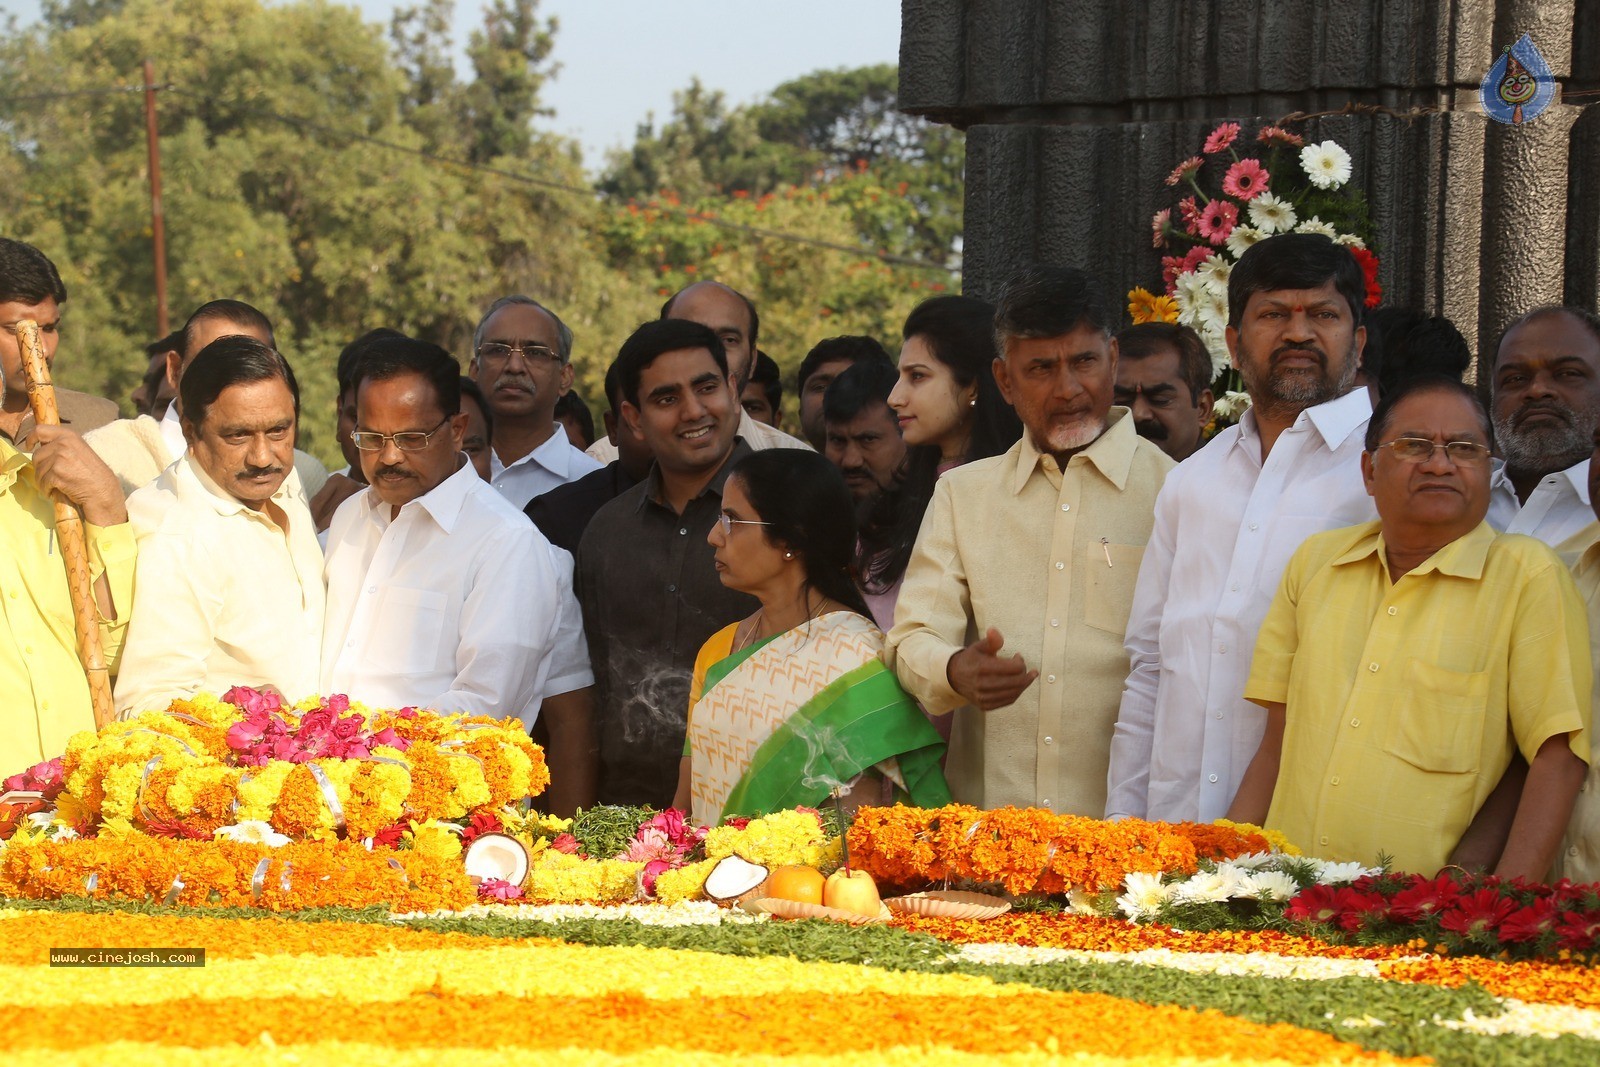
point(1542, 983)
point(277, 991)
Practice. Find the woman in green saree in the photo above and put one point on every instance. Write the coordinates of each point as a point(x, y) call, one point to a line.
point(795, 701)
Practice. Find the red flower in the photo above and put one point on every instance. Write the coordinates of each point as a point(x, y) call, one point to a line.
point(1529, 923)
point(1359, 909)
point(48, 778)
point(565, 843)
point(1221, 138)
point(252, 701)
point(1577, 931)
point(389, 836)
point(1426, 897)
point(1369, 269)
point(1184, 170)
point(176, 828)
point(738, 822)
point(484, 822)
point(1189, 214)
point(1480, 912)
point(653, 870)
point(1316, 904)
point(1279, 135)
point(498, 889)
point(1246, 179)
point(1217, 221)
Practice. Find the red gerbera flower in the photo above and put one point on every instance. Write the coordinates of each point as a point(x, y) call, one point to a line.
point(1481, 912)
point(1221, 138)
point(1183, 170)
point(1369, 270)
point(1577, 931)
point(1529, 923)
point(1425, 897)
point(484, 822)
point(389, 836)
point(1189, 214)
point(1279, 135)
point(1217, 221)
point(1315, 904)
point(1246, 179)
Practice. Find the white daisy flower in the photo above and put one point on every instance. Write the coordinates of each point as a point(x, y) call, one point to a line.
point(1316, 225)
point(1143, 895)
point(1215, 270)
point(1205, 887)
point(1326, 164)
point(252, 832)
point(1212, 333)
point(1273, 885)
point(1349, 240)
point(1231, 404)
point(1271, 215)
point(1252, 861)
point(1242, 238)
point(1339, 873)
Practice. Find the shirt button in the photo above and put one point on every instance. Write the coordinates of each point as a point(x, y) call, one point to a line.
point(1059, 565)
point(1222, 649)
point(1573, 851)
point(1213, 778)
point(1044, 803)
point(1394, 611)
point(44, 705)
point(1373, 667)
point(349, 644)
point(1252, 526)
point(1066, 507)
point(1050, 678)
point(372, 589)
point(1235, 587)
point(1055, 622)
point(1334, 780)
point(1049, 740)
point(683, 532)
point(1355, 722)
point(1323, 839)
point(1219, 714)
point(672, 589)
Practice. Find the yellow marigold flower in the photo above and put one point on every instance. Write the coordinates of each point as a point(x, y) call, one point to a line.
point(684, 883)
point(431, 839)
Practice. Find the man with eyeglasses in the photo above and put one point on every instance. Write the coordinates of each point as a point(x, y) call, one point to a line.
point(440, 594)
point(522, 359)
point(1405, 661)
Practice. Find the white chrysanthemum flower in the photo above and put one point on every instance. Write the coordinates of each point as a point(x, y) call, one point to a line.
point(1211, 313)
point(40, 820)
point(1215, 270)
point(1082, 903)
point(1143, 895)
point(1271, 214)
point(1203, 888)
point(1316, 225)
point(64, 833)
point(1273, 885)
point(1252, 861)
point(252, 832)
point(1326, 164)
point(1339, 873)
point(1189, 293)
point(1231, 404)
point(1216, 342)
point(1242, 237)
point(1349, 240)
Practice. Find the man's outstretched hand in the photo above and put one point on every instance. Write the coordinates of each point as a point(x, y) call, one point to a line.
point(978, 673)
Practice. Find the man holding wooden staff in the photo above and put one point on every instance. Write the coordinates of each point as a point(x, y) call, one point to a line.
point(46, 694)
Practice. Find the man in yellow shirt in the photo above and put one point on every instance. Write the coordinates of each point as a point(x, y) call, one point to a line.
point(1579, 858)
point(1018, 590)
point(1404, 661)
point(46, 694)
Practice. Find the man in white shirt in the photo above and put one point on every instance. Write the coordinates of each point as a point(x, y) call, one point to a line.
point(732, 316)
point(1227, 520)
point(522, 358)
point(139, 449)
point(440, 594)
point(1546, 408)
point(228, 588)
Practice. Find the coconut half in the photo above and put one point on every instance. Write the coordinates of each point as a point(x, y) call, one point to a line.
point(496, 856)
point(735, 880)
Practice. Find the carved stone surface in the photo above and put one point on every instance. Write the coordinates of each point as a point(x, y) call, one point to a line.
point(1075, 110)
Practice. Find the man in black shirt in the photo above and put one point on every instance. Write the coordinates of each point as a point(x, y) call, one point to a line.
point(650, 593)
point(564, 512)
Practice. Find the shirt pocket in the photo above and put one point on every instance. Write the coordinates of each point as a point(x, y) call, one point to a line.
point(1113, 571)
point(1439, 727)
point(408, 632)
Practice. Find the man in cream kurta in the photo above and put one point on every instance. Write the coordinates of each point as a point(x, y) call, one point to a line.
point(225, 595)
point(1039, 547)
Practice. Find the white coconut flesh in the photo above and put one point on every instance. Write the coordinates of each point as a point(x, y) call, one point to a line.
point(733, 878)
point(496, 856)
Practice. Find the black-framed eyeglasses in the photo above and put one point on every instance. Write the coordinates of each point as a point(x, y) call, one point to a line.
point(405, 440)
point(498, 352)
point(1420, 450)
point(728, 522)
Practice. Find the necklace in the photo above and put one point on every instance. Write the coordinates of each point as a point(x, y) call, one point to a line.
point(751, 628)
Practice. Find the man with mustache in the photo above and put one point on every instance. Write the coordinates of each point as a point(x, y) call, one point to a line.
point(863, 437)
point(228, 589)
point(646, 577)
point(1546, 407)
point(522, 359)
point(440, 594)
point(1227, 521)
point(1017, 594)
point(1164, 378)
point(1405, 661)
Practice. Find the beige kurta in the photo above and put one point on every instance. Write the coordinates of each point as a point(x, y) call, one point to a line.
point(1579, 858)
point(1048, 557)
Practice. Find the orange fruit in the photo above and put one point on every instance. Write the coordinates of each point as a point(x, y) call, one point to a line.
point(797, 883)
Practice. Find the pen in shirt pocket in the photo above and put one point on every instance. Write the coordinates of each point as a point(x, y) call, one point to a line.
point(1105, 546)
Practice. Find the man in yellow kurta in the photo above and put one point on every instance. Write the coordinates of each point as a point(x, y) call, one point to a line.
point(46, 697)
point(1405, 661)
point(1018, 590)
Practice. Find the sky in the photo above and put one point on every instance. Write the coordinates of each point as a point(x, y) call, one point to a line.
point(623, 59)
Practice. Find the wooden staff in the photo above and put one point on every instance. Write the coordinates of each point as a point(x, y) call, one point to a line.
point(69, 533)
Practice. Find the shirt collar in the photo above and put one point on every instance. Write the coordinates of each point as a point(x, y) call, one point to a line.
point(1334, 420)
point(13, 461)
point(554, 455)
point(1111, 453)
point(652, 493)
point(192, 481)
point(443, 502)
point(1462, 558)
point(171, 426)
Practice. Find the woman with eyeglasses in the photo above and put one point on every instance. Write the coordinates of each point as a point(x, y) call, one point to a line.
point(794, 701)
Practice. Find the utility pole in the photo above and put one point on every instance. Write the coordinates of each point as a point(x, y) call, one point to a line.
point(157, 220)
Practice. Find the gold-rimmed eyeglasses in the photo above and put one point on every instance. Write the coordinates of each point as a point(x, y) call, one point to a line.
point(1420, 450)
point(405, 440)
point(496, 353)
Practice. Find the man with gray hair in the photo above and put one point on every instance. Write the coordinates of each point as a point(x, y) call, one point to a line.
point(522, 359)
point(1019, 586)
point(1546, 408)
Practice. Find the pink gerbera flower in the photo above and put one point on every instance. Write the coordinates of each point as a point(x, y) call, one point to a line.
point(1217, 221)
point(1246, 179)
point(1279, 135)
point(1185, 169)
point(1158, 228)
point(1189, 212)
point(1221, 138)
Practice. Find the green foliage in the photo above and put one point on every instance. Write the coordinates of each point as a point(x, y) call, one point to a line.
point(604, 831)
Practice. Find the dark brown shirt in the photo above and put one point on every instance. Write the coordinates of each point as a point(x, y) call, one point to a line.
point(651, 597)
